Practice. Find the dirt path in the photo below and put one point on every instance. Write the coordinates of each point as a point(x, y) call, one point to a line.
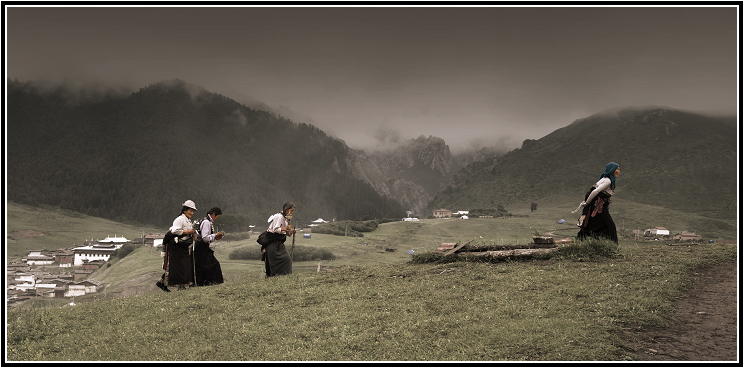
point(704, 326)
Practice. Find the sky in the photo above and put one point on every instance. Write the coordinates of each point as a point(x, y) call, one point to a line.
point(379, 75)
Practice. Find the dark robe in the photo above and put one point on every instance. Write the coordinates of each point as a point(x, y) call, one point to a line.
point(277, 259)
point(598, 222)
point(208, 270)
point(180, 268)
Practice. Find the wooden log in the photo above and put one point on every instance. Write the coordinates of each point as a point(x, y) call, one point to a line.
point(542, 240)
point(446, 246)
point(455, 249)
point(485, 248)
point(514, 253)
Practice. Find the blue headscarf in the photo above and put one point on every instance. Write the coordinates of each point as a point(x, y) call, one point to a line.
point(608, 173)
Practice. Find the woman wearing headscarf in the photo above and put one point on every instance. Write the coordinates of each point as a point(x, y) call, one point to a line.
point(177, 264)
point(207, 270)
point(596, 220)
point(275, 255)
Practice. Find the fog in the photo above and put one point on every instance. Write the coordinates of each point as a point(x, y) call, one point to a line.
point(377, 76)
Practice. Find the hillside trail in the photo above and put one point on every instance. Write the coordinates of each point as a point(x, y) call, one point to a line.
point(704, 326)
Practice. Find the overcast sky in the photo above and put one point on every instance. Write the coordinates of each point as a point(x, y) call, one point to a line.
point(470, 75)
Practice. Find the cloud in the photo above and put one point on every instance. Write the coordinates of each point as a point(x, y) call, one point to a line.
point(386, 138)
point(237, 117)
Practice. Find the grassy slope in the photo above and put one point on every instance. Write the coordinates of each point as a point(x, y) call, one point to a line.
point(381, 308)
point(61, 229)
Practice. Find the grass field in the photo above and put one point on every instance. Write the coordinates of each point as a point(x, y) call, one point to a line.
point(375, 305)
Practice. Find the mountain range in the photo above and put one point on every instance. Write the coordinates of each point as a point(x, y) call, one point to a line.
point(137, 156)
point(668, 157)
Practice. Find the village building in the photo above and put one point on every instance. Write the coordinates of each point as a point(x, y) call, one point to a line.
point(102, 250)
point(154, 240)
point(318, 222)
point(24, 281)
point(656, 232)
point(92, 265)
point(39, 258)
point(82, 288)
point(82, 274)
point(64, 258)
point(442, 213)
point(45, 290)
point(16, 266)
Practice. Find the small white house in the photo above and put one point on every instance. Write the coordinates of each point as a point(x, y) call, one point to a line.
point(117, 241)
point(81, 288)
point(93, 253)
point(38, 258)
point(25, 281)
point(657, 231)
point(410, 219)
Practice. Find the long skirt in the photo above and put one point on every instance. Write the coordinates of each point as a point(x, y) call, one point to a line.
point(277, 260)
point(599, 225)
point(207, 267)
point(180, 268)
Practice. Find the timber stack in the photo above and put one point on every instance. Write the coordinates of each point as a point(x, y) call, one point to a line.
point(539, 245)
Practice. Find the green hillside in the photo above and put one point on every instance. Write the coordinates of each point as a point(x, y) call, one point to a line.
point(667, 158)
point(373, 305)
point(50, 228)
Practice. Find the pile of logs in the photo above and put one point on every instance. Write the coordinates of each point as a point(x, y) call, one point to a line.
point(539, 245)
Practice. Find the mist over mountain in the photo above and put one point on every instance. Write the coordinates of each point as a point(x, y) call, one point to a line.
point(411, 173)
point(671, 158)
point(137, 157)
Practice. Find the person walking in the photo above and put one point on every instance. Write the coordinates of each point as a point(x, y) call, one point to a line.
point(177, 263)
point(207, 270)
point(596, 220)
point(275, 255)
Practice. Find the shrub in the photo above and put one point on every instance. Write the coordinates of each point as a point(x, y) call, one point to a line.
point(246, 252)
point(351, 228)
point(123, 251)
point(589, 248)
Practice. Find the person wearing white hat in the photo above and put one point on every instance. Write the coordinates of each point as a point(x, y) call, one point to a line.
point(179, 270)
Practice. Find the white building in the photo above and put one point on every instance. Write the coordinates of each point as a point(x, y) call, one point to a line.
point(25, 281)
point(99, 251)
point(93, 253)
point(117, 241)
point(657, 231)
point(82, 288)
point(318, 222)
point(38, 258)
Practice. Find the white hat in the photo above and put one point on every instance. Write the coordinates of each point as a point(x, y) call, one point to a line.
point(190, 204)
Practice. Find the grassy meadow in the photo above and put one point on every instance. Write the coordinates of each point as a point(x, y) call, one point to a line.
point(369, 304)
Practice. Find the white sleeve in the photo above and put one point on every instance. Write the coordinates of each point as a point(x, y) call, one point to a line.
point(276, 223)
point(177, 227)
point(602, 184)
point(206, 231)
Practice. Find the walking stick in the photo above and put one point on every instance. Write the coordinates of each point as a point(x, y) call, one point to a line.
point(291, 255)
point(193, 253)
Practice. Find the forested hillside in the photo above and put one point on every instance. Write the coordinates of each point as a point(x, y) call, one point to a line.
point(136, 158)
point(667, 157)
